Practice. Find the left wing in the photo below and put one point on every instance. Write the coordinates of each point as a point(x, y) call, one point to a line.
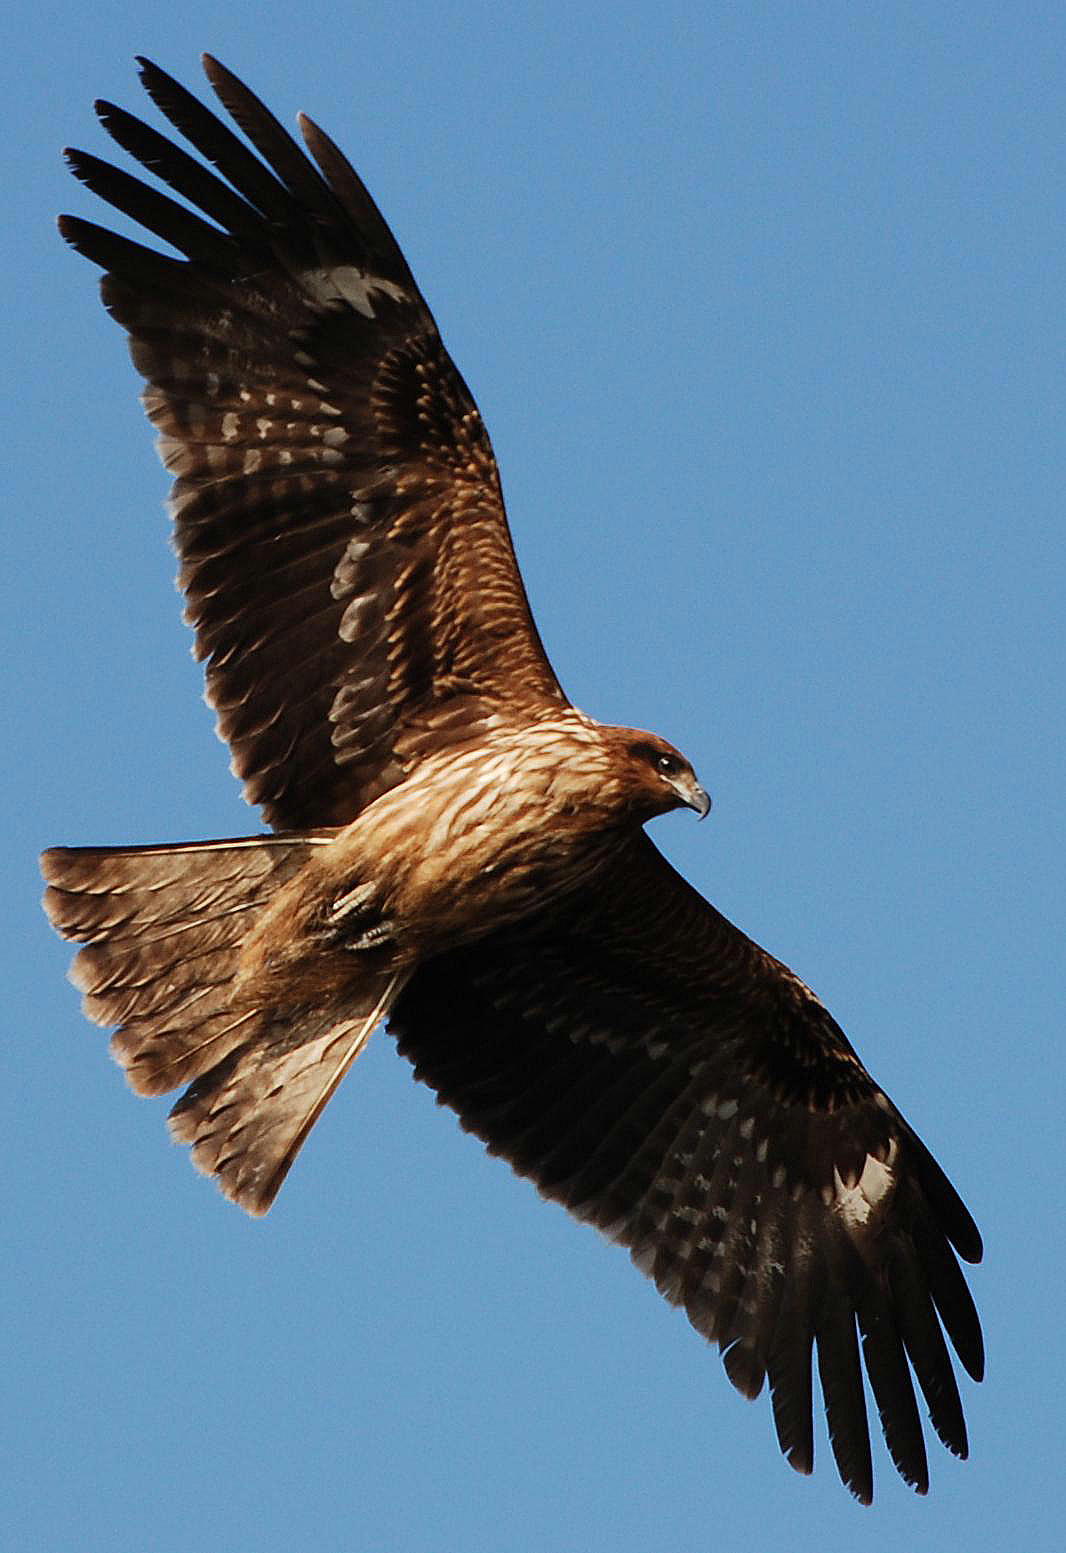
point(345, 554)
point(663, 1077)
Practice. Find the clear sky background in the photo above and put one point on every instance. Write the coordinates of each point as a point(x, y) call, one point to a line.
point(763, 305)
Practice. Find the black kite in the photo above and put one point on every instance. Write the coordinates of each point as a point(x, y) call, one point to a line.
point(458, 849)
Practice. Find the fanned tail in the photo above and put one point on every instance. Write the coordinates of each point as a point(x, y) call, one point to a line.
point(163, 929)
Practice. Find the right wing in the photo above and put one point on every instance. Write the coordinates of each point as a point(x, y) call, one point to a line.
point(345, 554)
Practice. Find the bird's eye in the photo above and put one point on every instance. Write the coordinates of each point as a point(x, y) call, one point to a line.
point(667, 765)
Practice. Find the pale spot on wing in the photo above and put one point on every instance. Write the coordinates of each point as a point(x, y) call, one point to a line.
point(355, 616)
point(855, 1204)
point(346, 570)
point(345, 283)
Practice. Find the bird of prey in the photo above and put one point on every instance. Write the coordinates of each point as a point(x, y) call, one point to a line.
point(455, 848)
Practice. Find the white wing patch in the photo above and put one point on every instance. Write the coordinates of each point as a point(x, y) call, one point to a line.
point(344, 283)
point(856, 1204)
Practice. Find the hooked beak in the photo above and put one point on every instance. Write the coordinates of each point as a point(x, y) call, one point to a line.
point(693, 796)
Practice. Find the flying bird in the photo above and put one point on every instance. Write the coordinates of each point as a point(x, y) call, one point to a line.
point(455, 848)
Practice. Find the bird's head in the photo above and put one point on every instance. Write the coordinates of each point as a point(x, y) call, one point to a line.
point(659, 778)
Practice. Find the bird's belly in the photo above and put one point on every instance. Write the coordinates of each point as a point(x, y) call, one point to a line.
point(453, 894)
point(445, 868)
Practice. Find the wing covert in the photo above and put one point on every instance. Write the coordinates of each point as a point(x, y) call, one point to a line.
point(661, 1076)
point(345, 555)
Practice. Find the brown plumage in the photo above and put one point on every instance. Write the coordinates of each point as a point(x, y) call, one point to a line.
point(460, 850)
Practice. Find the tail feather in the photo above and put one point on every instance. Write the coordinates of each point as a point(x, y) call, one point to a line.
point(248, 1117)
point(149, 893)
point(159, 1055)
point(163, 928)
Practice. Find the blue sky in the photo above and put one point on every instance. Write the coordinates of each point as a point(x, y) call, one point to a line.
point(763, 306)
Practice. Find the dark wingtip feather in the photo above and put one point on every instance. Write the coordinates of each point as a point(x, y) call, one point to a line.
point(954, 1303)
point(106, 111)
point(952, 1213)
point(745, 1369)
point(800, 1459)
point(215, 71)
point(85, 237)
point(281, 153)
point(118, 254)
point(840, 1373)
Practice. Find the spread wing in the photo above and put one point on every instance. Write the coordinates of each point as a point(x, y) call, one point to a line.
point(663, 1077)
point(344, 551)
